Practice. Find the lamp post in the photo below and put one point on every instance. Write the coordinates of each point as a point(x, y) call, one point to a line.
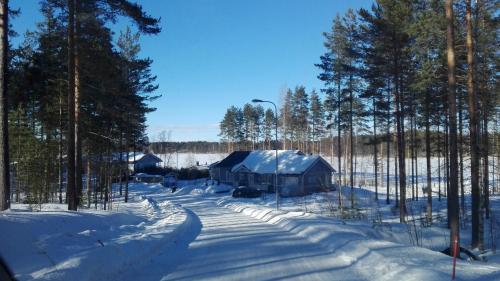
point(275, 148)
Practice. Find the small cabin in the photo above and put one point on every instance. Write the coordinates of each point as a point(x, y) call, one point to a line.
point(143, 161)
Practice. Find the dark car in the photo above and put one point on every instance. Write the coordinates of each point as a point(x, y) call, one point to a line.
point(246, 192)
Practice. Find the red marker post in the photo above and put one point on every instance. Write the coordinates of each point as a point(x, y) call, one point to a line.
point(455, 251)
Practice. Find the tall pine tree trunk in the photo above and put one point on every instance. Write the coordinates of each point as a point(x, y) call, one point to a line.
point(78, 141)
point(389, 139)
point(415, 155)
point(473, 130)
point(71, 188)
point(339, 148)
point(60, 144)
point(89, 177)
point(375, 152)
point(4, 108)
point(396, 179)
point(428, 154)
point(461, 156)
point(439, 151)
point(412, 152)
point(121, 161)
point(486, 171)
point(351, 148)
point(401, 148)
point(128, 169)
point(485, 114)
point(453, 148)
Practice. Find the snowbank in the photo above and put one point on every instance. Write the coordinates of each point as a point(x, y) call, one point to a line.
point(89, 244)
point(360, 246)
point(220, 188)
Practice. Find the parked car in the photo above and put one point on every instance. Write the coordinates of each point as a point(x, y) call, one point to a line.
point(246, 192)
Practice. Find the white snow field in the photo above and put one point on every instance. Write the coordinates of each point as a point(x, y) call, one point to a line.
point(187, 159)
point(196, 234)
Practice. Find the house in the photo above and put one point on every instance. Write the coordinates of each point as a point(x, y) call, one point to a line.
point(298, 174)
point(142, 161)
point(221, 171)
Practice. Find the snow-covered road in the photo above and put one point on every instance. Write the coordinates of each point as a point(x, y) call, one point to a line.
point(193, 234)
point(239, 242)
point(233, 246)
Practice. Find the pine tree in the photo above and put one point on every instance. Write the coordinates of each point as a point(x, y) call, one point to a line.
point(300, 116)
point(317, 121)
point(453, 148)
point(286, 119)
point(429, 50)
point(484, 41)
point(351, 56)
point(268, 126)
point(4, 108)
point(474, 130)
point(71, 188)
point(332, 66)
point(393, 42)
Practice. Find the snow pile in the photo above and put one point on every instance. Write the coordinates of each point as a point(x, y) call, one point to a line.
point(360, 246)
point(189, 190)
point(220, 188)
point(89, 244)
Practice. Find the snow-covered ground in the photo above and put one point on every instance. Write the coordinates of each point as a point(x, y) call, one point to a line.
point(186, 160)
point(56, 244)
point(198, 234)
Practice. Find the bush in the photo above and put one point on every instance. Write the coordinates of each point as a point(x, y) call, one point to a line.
point(191, 174)
point(182, 174)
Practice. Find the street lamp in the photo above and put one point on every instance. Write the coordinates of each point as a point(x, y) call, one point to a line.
point(276, 149)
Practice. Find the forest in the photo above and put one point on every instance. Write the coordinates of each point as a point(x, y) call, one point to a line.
point(73, 94)
point(409, 78)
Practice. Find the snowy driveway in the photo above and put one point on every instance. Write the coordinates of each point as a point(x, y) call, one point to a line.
point(233, 246)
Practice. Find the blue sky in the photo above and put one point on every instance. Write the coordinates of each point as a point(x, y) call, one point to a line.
point(213, 54)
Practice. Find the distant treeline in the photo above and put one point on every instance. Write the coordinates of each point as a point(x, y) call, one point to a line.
point(363, 144)
point(191, 146)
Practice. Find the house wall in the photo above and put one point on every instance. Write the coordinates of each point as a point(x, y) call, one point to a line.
point(317, 178)
point(222, 174)
point(214, 173)
point(264, 182)
point(145, 164)
point(290, 185)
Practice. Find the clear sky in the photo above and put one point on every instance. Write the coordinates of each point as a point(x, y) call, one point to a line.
point(212, 54)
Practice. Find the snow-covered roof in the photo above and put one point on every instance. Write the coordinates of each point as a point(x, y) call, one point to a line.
point(289, 162)
point(138, 156)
